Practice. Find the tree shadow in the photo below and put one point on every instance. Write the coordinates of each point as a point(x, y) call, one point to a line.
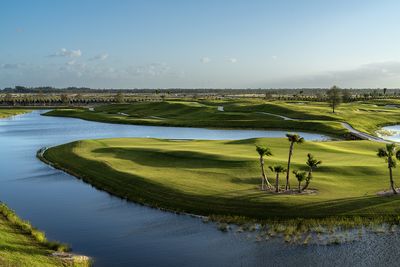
point(175, 159)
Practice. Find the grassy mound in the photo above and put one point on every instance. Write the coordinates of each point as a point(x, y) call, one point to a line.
point(222, 177)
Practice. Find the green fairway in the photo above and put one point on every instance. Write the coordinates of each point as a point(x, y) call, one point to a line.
point(4, 113)
point(311, 116)
point(223, 177)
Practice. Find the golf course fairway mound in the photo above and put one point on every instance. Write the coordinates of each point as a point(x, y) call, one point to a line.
point(222, 178)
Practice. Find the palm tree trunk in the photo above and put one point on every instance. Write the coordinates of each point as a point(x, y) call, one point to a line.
point(264, 177)
point(288, 166)
point(299, 187)
point(277, 183)
point(391, 180)
point(307, 180)
point(262, 172)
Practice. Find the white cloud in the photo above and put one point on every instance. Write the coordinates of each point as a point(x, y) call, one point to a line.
point(67, 53)
point(274, 57)
point(205, 60)
point(102, 56)
point(10, 66)
point(232, 60)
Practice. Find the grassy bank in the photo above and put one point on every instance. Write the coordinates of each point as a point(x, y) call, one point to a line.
point(23, 245)
point(314, 116)
point(222, 177)
point(4, 113)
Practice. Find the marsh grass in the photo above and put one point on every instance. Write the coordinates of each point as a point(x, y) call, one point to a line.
point(319, 231)
point(27, 228)
point(23, 245)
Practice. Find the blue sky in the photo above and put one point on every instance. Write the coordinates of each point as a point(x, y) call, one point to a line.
point(203, 43)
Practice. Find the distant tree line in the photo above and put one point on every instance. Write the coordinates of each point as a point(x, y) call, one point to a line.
point(51, 96)
point(64, 99)
point(266, 92)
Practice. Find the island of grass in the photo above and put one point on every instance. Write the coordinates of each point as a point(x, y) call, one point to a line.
point(222, 178)
point(367, 117)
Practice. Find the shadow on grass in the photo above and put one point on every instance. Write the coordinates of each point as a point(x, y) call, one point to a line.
point(177, 159)
point(246, 202)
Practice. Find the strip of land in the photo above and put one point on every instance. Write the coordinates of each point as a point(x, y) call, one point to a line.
point(222, 177)
point(4, 113)
point(365, 117)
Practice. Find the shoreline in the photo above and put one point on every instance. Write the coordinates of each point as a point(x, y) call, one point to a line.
point(59, 250)
point(334, 136)
point(340, 220)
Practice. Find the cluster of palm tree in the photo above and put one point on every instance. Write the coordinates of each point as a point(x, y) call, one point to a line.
point(390, 153)
point(301, 176)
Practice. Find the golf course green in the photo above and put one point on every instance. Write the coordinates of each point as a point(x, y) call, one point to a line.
point(223, 178)
point(367, 116)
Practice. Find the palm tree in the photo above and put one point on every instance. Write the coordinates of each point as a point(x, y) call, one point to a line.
point(389, 152)
point(293, 139)
point(312, 164)
point(277, 169)
point(301, 176)
point(263, 151)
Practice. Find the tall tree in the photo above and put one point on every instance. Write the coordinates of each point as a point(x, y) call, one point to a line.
point(293, 139)
point(263, 152)
point(119, 97)
point(277, 170)
point(390, 153)
point(334, 96)
point(65, 99)
point(312, 164)
point(301, 176)
point(346, 96)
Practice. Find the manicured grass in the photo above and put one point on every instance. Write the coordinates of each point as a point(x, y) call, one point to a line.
point(315, 116)
point(4, 113)
point(199, 114)
point(367, 116)
point(223, 177)
point(22, 245)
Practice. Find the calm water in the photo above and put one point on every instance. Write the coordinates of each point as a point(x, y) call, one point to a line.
point(118, 233)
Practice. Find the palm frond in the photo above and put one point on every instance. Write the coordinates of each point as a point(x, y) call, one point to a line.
point(382, 153)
